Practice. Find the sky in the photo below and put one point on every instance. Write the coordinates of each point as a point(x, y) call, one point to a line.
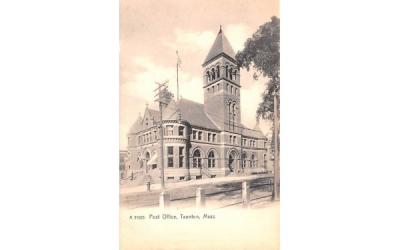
point(152, 31)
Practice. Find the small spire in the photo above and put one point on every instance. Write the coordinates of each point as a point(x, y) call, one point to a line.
point(220, 28)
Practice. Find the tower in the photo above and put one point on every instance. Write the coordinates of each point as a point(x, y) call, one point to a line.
point(221, 84)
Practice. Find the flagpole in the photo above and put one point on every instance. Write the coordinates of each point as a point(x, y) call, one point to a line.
point(177, 82)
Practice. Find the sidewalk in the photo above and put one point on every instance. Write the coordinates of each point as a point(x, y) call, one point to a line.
point(124, 190)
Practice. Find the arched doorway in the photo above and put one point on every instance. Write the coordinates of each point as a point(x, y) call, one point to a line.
point(232, 161)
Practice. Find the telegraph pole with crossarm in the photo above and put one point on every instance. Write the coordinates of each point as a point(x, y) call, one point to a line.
point(161, 92)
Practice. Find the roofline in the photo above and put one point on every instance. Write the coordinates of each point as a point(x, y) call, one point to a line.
point(215, 57)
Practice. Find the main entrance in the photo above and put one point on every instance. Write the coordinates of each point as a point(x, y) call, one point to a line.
point(233, 161)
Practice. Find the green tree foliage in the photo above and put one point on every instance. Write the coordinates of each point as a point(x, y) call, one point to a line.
point(262, 53)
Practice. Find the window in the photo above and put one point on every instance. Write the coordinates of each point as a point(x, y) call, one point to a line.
point(214, 139)
point(155, 135)
point(180, 130)
point(211, 160)
point(212, 89)
point(170, 130)
point(170, 150)
point(198, 177)
point(234, 140)
point(213, 74)
point(217, 71)
point(231, 139)
point(265, 160)
point(265, 144)
point(236, 92)
point(244, 159)
point(181, 178)
point(231, 89)
point(170, 178)
point(196, 159)
point(209, 137)
point(194, 134)
point(218, 87)
point(226, 71)
point(253, 161)
point(244, 142)
point(200, 135)
point(181, 157)
point(170, 153)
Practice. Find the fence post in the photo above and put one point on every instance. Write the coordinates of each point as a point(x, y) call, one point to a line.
point(200, 198)
point(246, 194)
point(164, 200)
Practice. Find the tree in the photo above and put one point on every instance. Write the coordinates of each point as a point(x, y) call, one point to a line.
point(262, 53)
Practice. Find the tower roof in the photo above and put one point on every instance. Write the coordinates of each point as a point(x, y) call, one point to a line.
point(221, 46)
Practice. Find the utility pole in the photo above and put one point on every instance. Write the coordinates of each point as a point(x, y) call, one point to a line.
point(276, 193)
point(161, 92)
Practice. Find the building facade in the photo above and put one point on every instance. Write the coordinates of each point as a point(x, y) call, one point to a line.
point(200, 140)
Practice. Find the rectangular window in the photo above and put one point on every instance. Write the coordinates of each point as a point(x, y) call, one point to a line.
point(194, 134)
point(180, 130)
point(231, 139)
point(182, 178)
point(170, 161)
point(214, 138)
point(181, 157)
point(265, 144)
point(170, 153)
point(209, 137)
point(170, 130)
point(234, 139)
point(200, 135)
point(170, 178)
point(170, 150)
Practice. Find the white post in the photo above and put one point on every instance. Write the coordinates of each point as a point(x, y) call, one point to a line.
point(164, 200)
point(246, 194)
point(200, 198)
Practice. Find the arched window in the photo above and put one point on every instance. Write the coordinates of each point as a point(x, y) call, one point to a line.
point(212, 74)
point(230, 73)
point(244, 159)
point(265, 160)
point(253, 161)
point(217, 71)
point(211, 160)
point(233, 112)
point(208, 76)
point(236, 92)
point(226, 71)
point(196, 159)
point(234, 75)
point(231, 89)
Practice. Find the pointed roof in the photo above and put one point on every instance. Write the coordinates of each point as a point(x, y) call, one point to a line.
point(194, 113)
point(221, 46)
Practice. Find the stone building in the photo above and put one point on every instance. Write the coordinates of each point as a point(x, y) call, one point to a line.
point(200, 140)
